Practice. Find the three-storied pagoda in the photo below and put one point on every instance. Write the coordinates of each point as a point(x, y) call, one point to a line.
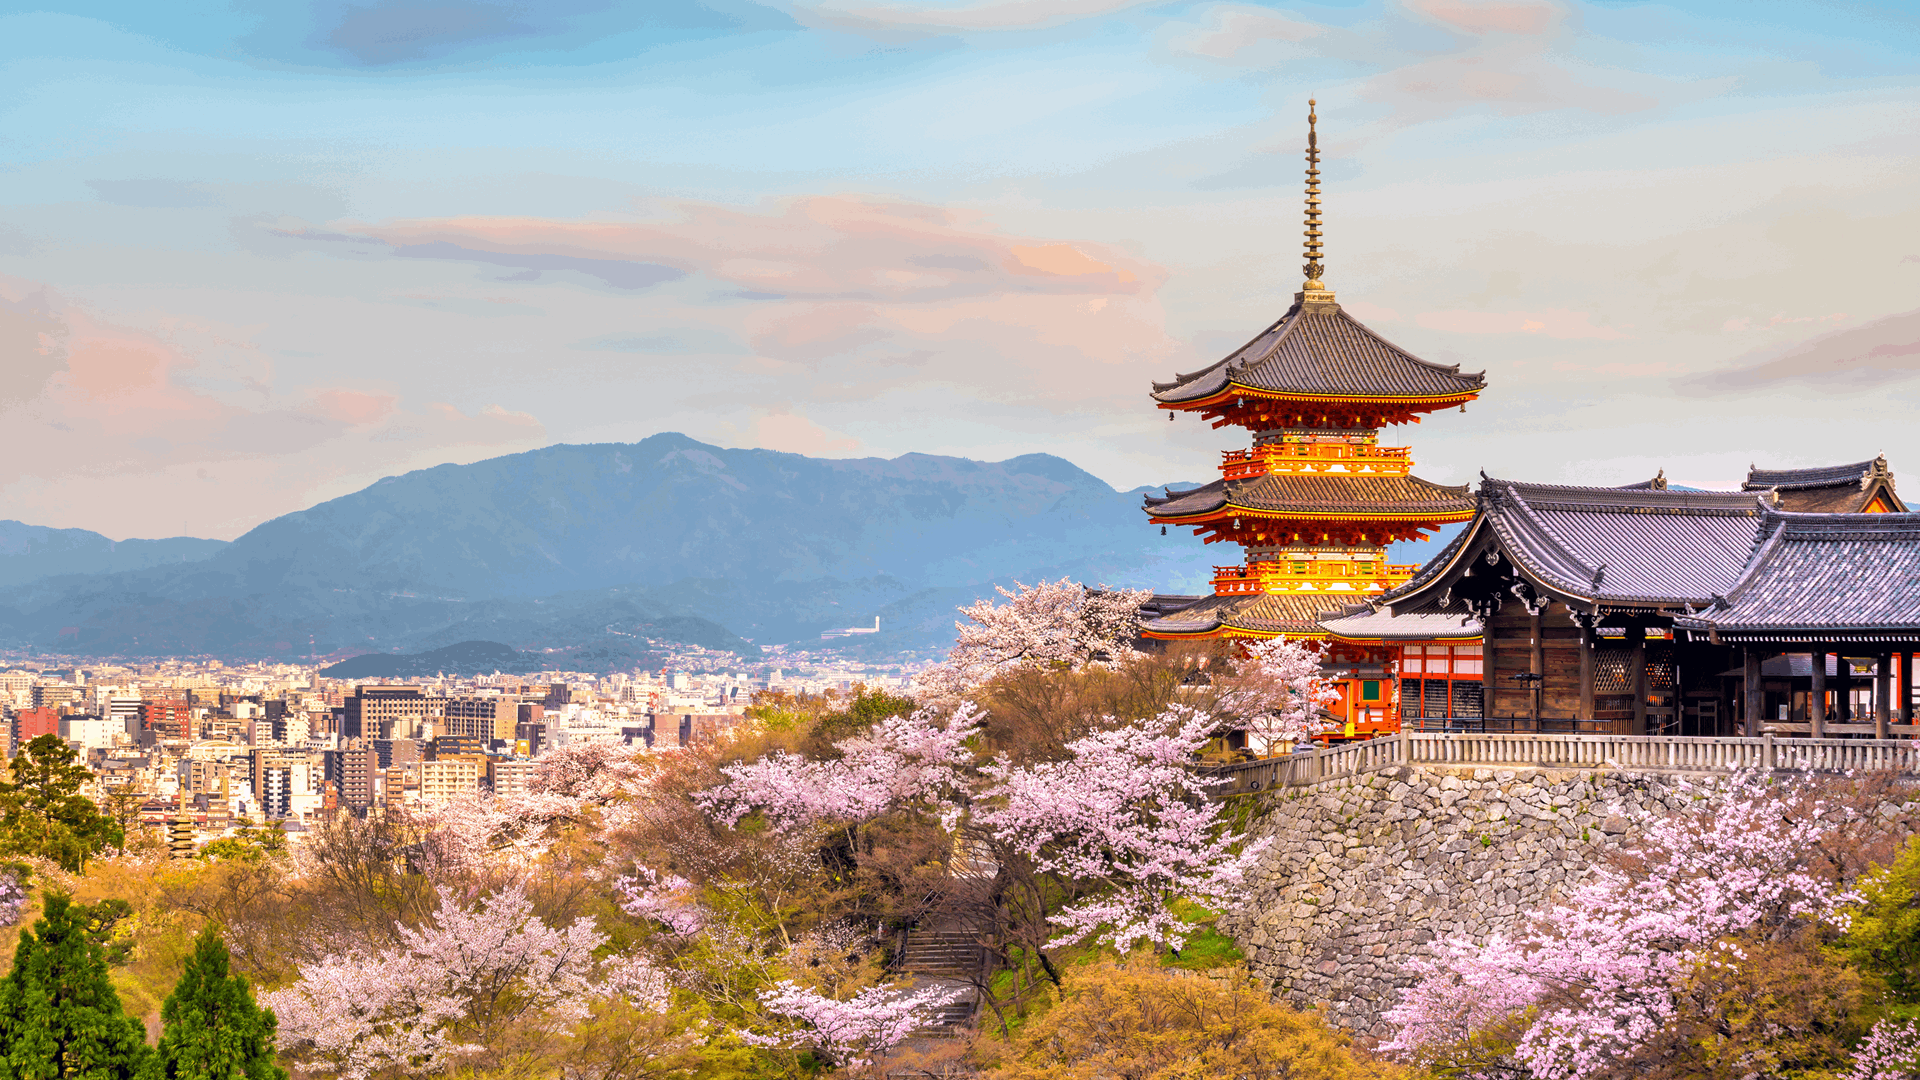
point(1315, 500)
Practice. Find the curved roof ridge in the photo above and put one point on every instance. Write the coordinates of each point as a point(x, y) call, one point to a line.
point(1451, 369)
point(1561, 544)
point(1433, 567)
point(1548, 544)
point(1812, 476)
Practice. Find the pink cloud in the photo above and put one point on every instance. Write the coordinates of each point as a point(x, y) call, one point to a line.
point(814, 247)
point(1523, 17)
point(1550, 322)
point(782, 429)
point(353, 407)
point(147, 415)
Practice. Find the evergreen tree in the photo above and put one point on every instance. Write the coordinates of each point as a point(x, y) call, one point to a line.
point(60, 1018)
point(214, 1031)
point(43, 813)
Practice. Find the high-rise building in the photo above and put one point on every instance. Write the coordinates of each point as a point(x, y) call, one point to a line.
point(485, 717)
point(352, 772)
point(166, 718)
point(29, 724)
point(385, 712)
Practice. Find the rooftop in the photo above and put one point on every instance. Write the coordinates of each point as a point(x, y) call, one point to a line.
point(1319, 351)
point(1633, 547)
point(1815, 576)
point(1319, 495)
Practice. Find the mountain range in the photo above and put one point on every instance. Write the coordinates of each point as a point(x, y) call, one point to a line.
point(586, 553)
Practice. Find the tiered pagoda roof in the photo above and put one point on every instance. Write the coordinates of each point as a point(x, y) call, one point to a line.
point(1317, 496)
point(1862, 487)
point(1258, 615)
point(1318, 366)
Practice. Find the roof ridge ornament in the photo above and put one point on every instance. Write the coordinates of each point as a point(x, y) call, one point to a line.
point(1314, 294)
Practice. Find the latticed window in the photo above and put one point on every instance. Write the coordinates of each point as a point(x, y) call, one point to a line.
point(1610, 666)
point(1469, 698)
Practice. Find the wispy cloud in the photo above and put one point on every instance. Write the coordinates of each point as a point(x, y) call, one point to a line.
point(1882, 352)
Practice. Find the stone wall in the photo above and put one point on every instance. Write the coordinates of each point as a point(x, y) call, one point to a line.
point(1363, 874)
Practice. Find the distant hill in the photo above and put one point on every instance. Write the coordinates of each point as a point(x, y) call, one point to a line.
point(466, 658)
point(596, 549)
point(31, 552)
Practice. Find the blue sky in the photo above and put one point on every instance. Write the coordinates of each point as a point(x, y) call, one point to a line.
point(255, 255)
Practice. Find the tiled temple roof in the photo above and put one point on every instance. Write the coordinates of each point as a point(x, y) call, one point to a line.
point(1319, 494)
point(1320, 351)
point(1829, 489)
point(1615, 546)
point(1366, 624)
point(1815, 576)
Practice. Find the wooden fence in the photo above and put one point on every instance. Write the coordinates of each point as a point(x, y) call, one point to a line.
point(1640, 753)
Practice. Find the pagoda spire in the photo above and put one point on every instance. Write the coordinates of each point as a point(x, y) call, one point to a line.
point(1314, 268)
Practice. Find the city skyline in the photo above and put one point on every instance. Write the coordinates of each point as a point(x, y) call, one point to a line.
point(252, 261)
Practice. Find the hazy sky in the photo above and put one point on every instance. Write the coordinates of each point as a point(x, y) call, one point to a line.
point(261, 253)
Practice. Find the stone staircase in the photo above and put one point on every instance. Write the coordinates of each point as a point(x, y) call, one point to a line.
point(950, 958)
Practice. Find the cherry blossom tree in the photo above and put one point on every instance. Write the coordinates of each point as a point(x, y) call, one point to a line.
point(1277, 691)
point(471, 972)
point(354, 1015)
point(502, 963)
point(1053, 622)
point(1126, 818)
point(13, 893)
point(856, 1030)
point(1123, 821)
point(667, 899)
point(1600, 977)
point(1891, 1051)
point(903, 759)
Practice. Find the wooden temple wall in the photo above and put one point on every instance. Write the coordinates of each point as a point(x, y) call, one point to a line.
point(1548, 644)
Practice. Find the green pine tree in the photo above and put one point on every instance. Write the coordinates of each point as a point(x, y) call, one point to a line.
point(60, 1018)
point(214, 1031)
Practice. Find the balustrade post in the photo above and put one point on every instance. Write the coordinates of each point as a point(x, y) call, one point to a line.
point(1767, 751)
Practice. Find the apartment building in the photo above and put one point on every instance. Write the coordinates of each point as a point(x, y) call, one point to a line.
point(485, 717)
point(446, 779)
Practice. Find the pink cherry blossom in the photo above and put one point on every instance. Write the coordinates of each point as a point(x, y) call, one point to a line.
point(473, 970)
point(851, 1032)
point(1126, 812)
point(904, 759)
point(665, 898)
point(13, 897)
point(1278, 691)
point(504, 963)
point(1891, 1051)
point(1738, 860)
point(354, 1015)
point(1058, 622)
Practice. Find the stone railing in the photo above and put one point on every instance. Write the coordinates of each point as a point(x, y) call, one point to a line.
point(1648, 753)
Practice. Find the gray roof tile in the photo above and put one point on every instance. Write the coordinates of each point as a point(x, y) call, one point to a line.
point(1323, 353)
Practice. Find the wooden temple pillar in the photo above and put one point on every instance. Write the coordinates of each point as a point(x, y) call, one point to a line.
point(1489, 682)
point(1882, 694)
point(1754, 694)
point(1842, 689)
point(1537, 664)
point(1817, 698)
point(1906, 686)
point(1637, 676)
point(1587, 645)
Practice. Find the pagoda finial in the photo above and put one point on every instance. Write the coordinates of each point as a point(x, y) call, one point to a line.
point(1313, 269)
